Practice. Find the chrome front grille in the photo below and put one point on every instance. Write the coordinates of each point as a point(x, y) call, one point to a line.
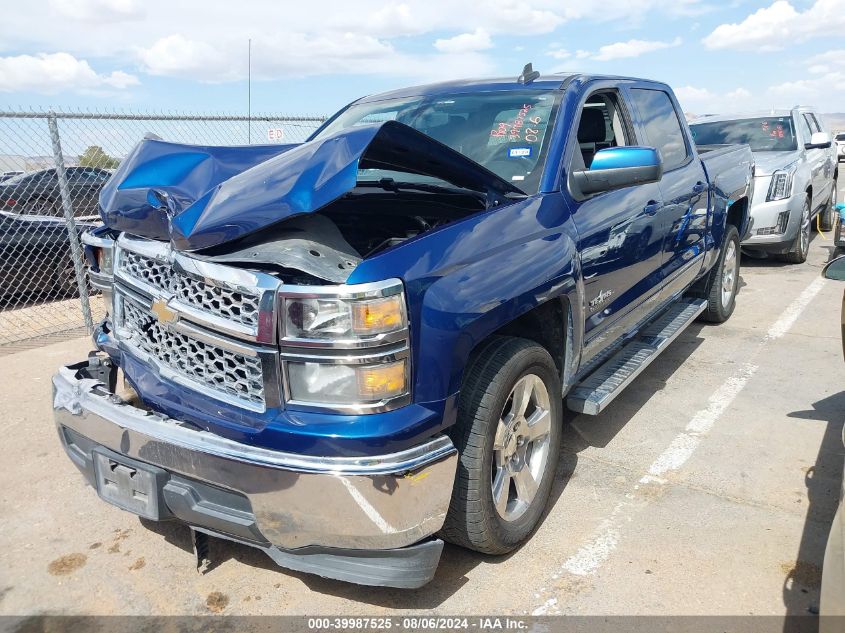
point(208, 366)
point(209, 326)
point(232, 305)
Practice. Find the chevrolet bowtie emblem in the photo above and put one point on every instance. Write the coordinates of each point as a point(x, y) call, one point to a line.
point(162, 313)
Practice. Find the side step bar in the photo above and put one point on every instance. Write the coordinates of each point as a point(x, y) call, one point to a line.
point(592, 395)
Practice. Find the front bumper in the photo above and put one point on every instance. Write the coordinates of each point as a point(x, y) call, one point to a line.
point(765, 215)
point(286, 504)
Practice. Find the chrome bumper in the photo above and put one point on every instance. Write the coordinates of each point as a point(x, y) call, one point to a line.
point(365, 503)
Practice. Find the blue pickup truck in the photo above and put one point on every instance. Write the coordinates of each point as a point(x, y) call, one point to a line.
point(345, 351)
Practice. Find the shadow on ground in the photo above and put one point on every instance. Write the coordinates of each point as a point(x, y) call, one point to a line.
point(824, 481)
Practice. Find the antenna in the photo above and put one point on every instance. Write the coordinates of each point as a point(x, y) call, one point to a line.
point(249, 92)
point(528, 74)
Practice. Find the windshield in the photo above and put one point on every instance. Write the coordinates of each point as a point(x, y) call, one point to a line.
point(764, 134)
point(507, 132)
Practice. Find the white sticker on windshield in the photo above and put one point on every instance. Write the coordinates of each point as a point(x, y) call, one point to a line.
point(518, 178)
point(519, 152)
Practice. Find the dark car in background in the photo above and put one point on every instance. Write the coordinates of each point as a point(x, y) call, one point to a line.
point(9, 174)
point(37, 193)
point(36, 263)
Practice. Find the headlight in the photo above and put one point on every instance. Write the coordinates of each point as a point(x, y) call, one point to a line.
point(99, 254)
point(780, 187)
point(99, 251)
point(345, 348)
point(349, 385)
point(342, 319)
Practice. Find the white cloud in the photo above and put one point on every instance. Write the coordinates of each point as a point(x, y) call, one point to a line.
point(478, 40)
point(632, 48)
point(57, 72)
point(560, 53)
point(779, 25)
point(178, 56)
point(195, 40)
point(97, 10)
point(390, 20)
point(698, 101)
point(823, 85)
point(298, 55)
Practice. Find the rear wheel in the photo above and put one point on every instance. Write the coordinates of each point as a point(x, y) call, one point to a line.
point(45, 206)
point(827, 216)
point(723, 282)
point(508, 437)
point(801, 246)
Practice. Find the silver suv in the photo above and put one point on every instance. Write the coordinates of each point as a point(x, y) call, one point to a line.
point(794, 180)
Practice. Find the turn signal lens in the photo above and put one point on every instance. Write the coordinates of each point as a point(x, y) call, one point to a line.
point(380, 315)
point(382, 382)
point(100, 256)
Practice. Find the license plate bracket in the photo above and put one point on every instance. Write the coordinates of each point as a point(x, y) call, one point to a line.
point(130, 485)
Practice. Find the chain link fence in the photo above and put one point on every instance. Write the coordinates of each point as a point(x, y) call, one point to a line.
point(52, 168)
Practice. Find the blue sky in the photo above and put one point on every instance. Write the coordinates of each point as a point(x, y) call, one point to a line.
point(313, 57)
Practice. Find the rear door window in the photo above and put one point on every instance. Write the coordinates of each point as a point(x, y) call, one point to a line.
point(662, 126)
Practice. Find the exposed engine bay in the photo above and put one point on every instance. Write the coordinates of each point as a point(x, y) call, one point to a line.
point(327, 246)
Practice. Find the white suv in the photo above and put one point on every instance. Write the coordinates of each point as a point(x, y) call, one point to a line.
point(794, 176)
point(840, 146)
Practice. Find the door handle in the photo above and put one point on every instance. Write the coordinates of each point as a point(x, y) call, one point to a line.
point(699, 187)
point(652, 207)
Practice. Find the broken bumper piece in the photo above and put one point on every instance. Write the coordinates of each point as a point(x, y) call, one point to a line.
point(366, 520)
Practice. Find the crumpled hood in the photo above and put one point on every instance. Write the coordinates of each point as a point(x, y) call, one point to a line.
point(199, 196)
point(766, 163)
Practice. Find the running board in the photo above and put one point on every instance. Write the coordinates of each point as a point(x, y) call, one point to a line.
point(592, 395)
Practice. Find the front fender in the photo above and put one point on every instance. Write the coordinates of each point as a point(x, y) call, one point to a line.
point(468, 279)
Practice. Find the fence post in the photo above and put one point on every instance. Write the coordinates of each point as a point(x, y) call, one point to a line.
point(67, 208)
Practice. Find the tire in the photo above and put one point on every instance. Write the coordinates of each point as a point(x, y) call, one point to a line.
point(66, 285)
point(487, 433)
point(46, 207)
point(828, 214)
point(723, 281)
point(798, 253)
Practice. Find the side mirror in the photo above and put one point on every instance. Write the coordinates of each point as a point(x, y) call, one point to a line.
point(620, 167)
point(835, 269)
point(819, 140)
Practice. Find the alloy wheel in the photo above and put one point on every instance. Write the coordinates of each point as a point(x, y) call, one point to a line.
point(521, 447)
point(729, 274)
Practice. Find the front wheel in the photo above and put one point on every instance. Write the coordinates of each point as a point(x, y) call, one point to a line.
point(508, 437)
point(723, 282)
point(801, 246)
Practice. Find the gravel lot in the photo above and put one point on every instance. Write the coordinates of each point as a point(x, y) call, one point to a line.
point(708, 487)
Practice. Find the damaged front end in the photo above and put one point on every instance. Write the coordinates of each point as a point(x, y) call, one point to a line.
point(316, 209)
point(227, 275)
point(255, 377)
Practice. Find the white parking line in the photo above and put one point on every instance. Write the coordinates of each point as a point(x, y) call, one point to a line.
point(590, 556)
point(793, 311)
point(684, 445)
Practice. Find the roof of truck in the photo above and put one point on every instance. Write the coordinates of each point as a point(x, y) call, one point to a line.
point(544, 82)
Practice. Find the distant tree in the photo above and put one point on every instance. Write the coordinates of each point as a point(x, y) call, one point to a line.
point(94, 156)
